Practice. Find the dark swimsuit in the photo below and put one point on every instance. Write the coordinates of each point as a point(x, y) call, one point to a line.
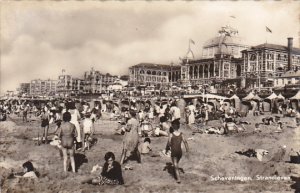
point(176, 146)
point(67, 135)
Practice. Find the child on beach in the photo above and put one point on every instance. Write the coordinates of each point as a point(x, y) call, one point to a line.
point(28, 171)
point(45, 116)
point(174, 142)
point(145, 147)
point(88, 130)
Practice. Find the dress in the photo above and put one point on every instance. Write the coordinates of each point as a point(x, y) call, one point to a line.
point(175, 113)
point(175, 145)
point(67, 135)
point(111, 176)
point(131, 138)
point(87, 126)
point(192, 110)
point(75, 116)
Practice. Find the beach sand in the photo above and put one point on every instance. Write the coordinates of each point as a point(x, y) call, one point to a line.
point(210, 156)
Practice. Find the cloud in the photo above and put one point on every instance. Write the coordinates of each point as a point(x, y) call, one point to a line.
point(38, 40)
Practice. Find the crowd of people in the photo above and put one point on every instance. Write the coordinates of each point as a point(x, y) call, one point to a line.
point(139, 121)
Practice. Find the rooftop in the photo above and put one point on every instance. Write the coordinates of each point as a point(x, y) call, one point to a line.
point(156, 66)
point(224, 40)
point(274, 47)
point(291, 73)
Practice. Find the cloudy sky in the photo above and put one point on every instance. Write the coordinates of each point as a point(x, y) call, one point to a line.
point(39, 39)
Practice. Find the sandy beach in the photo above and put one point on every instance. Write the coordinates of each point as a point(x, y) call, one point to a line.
point(212, 166)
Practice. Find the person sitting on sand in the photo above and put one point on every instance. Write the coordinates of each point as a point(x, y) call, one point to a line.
point(145, 147)
point(174, 142)
point(111, 172)
point(268, 120)
point(279, 127)
point(164, 127)
point(228, 123)
point(67, 135)
point(29, 171)
point(146, 128)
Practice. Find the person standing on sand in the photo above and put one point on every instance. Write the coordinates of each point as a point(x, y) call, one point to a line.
point(45, 116)
point(75, 117)
point(131, 138)
point(174, 142)
point(192, 110)
point(67, 136)
point(175, 112)
point(25, 113)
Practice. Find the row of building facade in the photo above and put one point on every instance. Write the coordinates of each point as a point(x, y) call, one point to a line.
point(226, 60)
point(93, 81)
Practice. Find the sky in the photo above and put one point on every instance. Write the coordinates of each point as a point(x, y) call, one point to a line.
point(40, 38)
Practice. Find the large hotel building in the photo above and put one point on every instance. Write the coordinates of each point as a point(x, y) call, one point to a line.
point(157, 75)
point(221, 59)
point(263, 64)
point(225, 60)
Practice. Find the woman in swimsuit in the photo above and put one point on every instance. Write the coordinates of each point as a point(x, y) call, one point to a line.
point(175, 140)
point(67, 135)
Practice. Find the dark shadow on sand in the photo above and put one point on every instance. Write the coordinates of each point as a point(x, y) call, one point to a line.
point(79, 160)
point(171, 170)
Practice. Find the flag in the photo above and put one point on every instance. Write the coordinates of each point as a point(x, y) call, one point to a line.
point(268, 29)
point(232, 16)
point(192, 41)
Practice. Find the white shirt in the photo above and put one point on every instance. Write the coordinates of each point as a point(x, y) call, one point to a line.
point(30, 175)
point(175, 112)
point(87, 125)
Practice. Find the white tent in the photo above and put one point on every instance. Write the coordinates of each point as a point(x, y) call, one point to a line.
point(272, 96)
point(248, 97)
point(234, 97)
point(280, 96)
point(213, 96)
point(297, 96)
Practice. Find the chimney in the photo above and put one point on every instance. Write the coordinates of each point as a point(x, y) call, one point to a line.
point(290, 47)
